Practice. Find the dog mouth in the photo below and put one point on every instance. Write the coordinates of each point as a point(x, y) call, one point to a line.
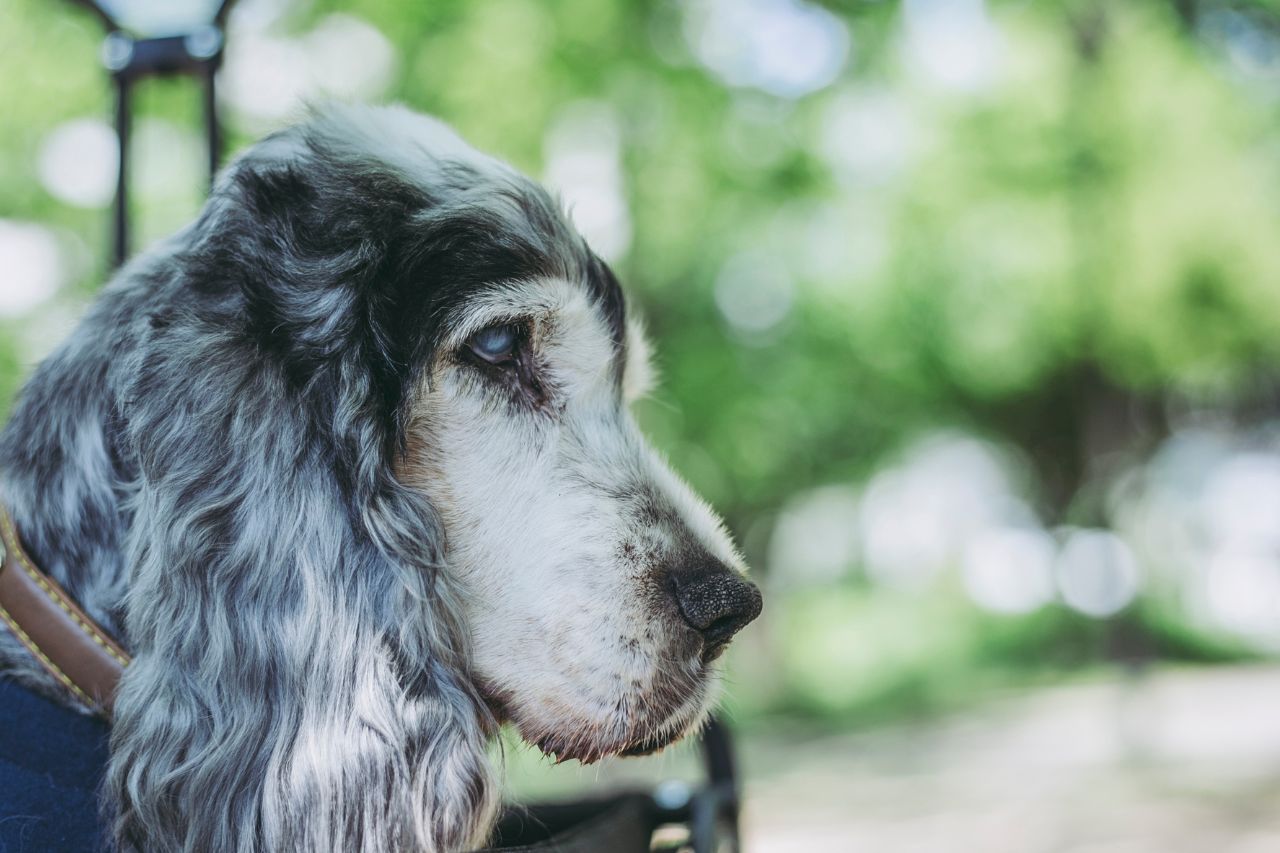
point(500, 703)
point(569, 737)
point(587, 751)
point(580, 722)
point(652, 744)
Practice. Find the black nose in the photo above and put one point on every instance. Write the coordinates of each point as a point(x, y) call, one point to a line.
point(717, 602)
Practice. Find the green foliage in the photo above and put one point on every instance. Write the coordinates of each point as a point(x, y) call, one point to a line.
point(1106, 209)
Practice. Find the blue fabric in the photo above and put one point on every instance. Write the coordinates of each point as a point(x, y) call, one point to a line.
point(51, 766)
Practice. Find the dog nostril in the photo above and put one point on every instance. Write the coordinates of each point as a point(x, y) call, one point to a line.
point(722, 630)
point(717, 603)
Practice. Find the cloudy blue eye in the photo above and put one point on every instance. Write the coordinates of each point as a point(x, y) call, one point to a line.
point(495, 344)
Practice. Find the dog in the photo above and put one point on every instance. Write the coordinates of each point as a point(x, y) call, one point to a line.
point(347, 465)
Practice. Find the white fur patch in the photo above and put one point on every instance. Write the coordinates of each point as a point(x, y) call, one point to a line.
point(561, 526)
point(640, 377)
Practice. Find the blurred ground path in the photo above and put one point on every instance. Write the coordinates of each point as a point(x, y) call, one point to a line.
point(1183, 760)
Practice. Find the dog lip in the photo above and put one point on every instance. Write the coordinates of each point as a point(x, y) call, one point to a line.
point(567, 749)
point(495, 699)
point(564, 738)
point(649, 746)
point(562, 751)
point(656, 743)
point(713, 651)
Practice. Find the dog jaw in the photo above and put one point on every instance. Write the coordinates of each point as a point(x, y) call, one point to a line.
point(564, 734)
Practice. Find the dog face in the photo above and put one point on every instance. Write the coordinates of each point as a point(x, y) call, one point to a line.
point(597, 589)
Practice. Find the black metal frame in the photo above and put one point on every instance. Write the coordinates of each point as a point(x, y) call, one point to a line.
point(129, 59)
point(626, 822)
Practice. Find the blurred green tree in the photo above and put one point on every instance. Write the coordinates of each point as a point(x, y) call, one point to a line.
point(1039, 222)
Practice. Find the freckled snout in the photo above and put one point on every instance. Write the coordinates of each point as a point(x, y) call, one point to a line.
point(717, 602)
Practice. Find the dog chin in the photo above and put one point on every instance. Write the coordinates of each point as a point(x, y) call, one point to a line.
point(573, 746)
point(657, 743)
point(588, 741)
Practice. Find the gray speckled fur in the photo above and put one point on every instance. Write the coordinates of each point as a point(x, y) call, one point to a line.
point(206, 466)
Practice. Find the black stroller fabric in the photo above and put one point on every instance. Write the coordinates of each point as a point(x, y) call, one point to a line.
point(52, 761)
point(621, 824)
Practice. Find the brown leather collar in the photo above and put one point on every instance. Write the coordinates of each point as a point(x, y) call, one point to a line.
point(62, 637)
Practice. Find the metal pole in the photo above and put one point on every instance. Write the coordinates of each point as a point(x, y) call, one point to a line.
point(123, 120)
point(131, 56)
point(211, 119)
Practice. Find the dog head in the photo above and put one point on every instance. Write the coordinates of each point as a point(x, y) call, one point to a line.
point(595, 588)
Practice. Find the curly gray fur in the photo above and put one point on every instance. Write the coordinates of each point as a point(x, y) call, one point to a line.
point(207, 466)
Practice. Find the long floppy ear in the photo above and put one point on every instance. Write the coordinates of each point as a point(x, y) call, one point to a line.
point(299, 674)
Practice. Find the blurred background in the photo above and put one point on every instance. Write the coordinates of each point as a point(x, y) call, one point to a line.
point(968, 316)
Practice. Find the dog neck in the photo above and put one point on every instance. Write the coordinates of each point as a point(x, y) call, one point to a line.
point(66, 493)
